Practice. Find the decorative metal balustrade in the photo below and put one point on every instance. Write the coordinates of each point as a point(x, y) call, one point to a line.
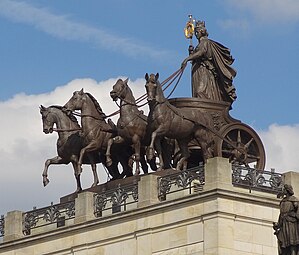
point(116, 200)
point(253, 179)
point(190, 181)
point(52, 214)
point(2, 221)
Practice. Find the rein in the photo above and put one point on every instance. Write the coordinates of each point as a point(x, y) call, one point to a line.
point(66, 130)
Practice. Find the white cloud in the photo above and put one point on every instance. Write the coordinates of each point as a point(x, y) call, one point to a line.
point(282, 147)
point(61, 26)
point(24, 147)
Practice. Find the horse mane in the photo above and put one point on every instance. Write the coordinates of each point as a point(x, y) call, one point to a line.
point(70, 116)
point(97, 105)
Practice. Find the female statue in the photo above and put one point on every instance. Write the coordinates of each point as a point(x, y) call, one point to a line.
point(212, 74)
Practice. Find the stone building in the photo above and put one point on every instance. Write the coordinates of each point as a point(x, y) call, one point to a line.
point(218, 209)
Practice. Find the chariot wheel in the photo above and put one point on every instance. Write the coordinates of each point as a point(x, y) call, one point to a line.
point(241, 145)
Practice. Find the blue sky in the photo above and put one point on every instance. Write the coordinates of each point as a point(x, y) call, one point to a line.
point(50, 48)
point(46, 44)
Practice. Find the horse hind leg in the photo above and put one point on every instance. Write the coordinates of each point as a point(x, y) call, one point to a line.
point(182, 164)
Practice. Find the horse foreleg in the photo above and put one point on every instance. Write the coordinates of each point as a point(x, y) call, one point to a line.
point(77, 175)
point(95, 175)
point(56, 160)
point(111, 141)
point(150, 149)
point(88, 148)
point(137, 155)
point(108, 152)
point(158, 147)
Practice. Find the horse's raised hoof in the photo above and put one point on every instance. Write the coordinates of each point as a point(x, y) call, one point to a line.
point(45, 181)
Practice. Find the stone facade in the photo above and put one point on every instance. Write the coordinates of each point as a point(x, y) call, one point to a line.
point(219, 220)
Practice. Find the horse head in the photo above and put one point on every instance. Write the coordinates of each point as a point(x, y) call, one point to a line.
point(47, 119)
point(151, 86)
point(119, 89)
point(76, 101)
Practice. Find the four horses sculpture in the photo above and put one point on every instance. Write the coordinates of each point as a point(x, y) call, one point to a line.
point(97, 138)
point(131, 126)
point(169, 121)
point(95, 130)
point(69, 143)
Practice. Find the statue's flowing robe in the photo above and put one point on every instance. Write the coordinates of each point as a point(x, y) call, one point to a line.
point(288, 222)
point(212, 74)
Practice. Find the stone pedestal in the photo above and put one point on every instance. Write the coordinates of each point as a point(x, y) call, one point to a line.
point(84, 208)
point(218, 174)
point(147, 190)
point(13, 226)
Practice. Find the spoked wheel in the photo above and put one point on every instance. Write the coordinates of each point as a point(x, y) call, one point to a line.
point(241, 145)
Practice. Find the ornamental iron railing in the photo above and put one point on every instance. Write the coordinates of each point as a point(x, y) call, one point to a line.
point(253, 179)
point(122, 198)
point(52, 214)
point(2, 221)
point(188, 181)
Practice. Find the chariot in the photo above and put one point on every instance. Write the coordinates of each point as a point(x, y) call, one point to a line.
point(232, 139)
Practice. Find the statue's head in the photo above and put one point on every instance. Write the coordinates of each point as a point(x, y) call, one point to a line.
point(200, 29)
point(288, 189)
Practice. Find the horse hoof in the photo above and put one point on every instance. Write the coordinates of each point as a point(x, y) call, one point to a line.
point(94, 184)
point(109, 162)
point(46, 182)
point(78, 190)
point(149, 154)
point(137, 173)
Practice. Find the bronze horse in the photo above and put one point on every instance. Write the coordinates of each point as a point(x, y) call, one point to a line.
point(174, 123)
point(131, 125)
point(96, 131)
point(69, 143)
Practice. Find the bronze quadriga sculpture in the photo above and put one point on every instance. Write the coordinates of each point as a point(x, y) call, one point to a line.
point(181, 131)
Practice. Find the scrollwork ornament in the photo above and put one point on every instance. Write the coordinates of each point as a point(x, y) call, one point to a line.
point(100, 202)
point(237, 173)
point(185, 179)
point(119, 196)
point(260, 180)
point(51, 214)
point(275, 181)
point(30, 221)
point(164, 186)
point(135, 193)
point(70, 209)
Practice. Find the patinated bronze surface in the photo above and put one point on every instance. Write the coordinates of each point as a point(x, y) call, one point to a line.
point(199, 126)
point(287, 227)
point(212, 74)
point(69, 143)
point(96, 131)
point(131, 126)
point(175, 123)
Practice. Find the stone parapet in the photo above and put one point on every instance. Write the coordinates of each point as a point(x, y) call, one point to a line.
point(218, 219)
